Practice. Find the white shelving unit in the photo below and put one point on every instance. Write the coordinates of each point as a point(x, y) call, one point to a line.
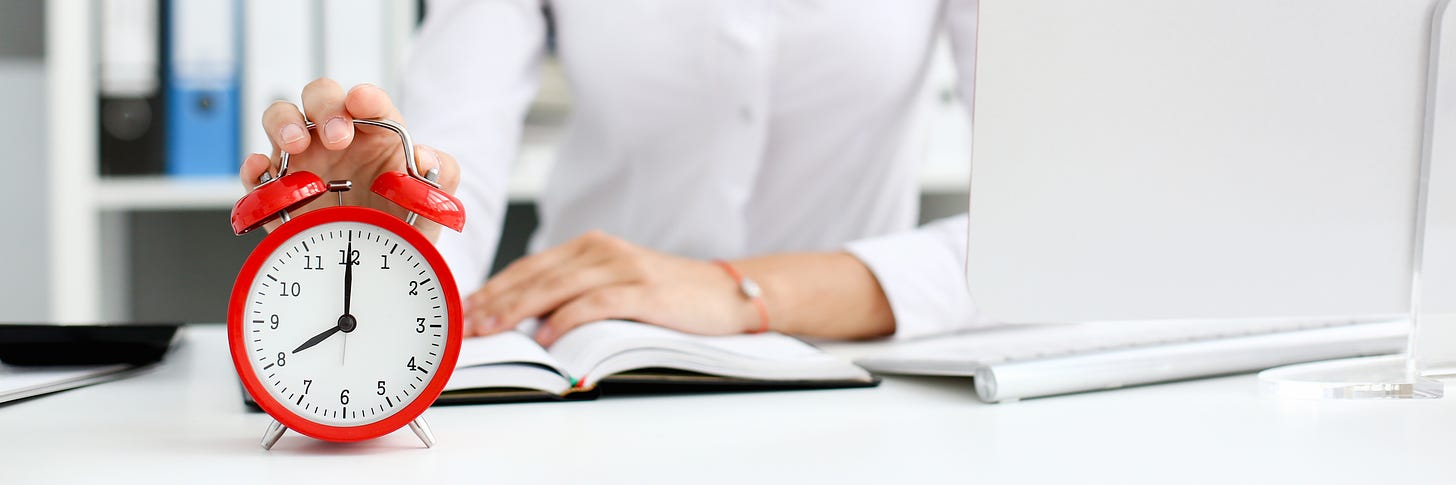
point(79, 198)
point(74, 222)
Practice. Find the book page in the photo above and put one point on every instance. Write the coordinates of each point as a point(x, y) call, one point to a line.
point(504, 348)
point(583, 350)
point(507, 360)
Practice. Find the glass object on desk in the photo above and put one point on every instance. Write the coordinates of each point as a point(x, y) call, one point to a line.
point(1431, 348)
point(1380, 377)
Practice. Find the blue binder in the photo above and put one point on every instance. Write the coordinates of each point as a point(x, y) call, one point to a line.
point(202, 88)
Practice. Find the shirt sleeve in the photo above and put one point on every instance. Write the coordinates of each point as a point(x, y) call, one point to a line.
point(470, 77)
point(922, 271)
point(922, 274)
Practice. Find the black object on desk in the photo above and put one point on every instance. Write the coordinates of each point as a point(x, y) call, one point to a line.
point(71, 345)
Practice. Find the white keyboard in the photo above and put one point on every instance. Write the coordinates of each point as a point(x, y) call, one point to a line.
point(1023, 361)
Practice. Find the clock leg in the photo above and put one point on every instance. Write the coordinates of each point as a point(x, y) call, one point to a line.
point(275, 431)
point(422, 430)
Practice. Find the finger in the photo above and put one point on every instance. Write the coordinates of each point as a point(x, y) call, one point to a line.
point(479, 325)
point(284, 125)
point(555, 288)
point(525, 269)
point(367, 101)
point(252, 168)
point(621, 302)
point(503, 303)
point(477, 321)
point(323, 102)
point(427, 158)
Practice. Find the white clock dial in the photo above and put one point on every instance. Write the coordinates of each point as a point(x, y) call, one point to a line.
point(338, 367)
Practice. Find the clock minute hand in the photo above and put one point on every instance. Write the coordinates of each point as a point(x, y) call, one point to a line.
point(318, 338)
point(348, 276)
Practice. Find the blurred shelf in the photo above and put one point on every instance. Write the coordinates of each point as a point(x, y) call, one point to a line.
point(160, 192)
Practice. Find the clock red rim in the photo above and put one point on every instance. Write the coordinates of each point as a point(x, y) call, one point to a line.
point(238, 304)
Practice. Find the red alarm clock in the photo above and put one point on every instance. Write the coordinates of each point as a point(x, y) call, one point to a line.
point(344, 323)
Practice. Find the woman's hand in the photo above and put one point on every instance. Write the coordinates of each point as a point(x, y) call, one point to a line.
point(338, 150)
point(597, 277)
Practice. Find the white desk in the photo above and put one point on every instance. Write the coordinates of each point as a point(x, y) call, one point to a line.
point(184, 423)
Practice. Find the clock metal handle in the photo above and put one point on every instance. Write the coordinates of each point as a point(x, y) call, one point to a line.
point(420, 194)
point(391, 125)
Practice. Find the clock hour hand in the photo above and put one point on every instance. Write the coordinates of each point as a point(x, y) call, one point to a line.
point(318, 338)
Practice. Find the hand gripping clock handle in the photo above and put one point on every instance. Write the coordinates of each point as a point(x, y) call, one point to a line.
point(419, 194)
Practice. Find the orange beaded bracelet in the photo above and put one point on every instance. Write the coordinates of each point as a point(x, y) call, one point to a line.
point(750, 290)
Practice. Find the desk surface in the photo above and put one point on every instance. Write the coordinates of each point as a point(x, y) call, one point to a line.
point(183, 422)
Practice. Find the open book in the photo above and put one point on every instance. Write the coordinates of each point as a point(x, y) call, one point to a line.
point(619, 354)
point(632, 357)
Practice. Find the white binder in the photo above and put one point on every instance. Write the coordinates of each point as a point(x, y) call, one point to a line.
point(280, 56)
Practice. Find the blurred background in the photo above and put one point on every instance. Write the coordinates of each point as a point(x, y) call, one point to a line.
point(125, 121)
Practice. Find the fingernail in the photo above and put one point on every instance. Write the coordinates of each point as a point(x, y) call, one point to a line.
point(292, 133)
point(546, 333)
point(337, 130)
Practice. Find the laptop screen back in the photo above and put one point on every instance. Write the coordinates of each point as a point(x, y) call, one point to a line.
point(1139, 159)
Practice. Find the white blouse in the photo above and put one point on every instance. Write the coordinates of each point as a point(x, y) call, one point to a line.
point(707, 129)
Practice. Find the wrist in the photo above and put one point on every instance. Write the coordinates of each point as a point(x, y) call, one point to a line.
point(828, 295)
point(751, 293)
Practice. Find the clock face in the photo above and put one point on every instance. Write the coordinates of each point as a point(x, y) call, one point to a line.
point(345, 323)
